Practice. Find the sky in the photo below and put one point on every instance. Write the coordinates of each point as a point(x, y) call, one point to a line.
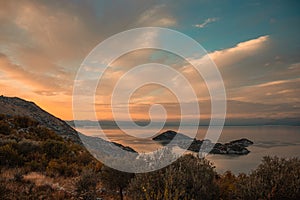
point(254, 44)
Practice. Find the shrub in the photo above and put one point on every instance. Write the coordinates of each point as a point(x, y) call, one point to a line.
point(39, 133)
point(274, 178)
point(54, 149)
point(86, 185)
point(187, 178)
point(227, 185)
point(24, 122)
point(114, 179)
point(57, 168)
point(3, 189)
point(26, 147)
point(10, 157)
point(4, 128)
point(18, 176)
point(35, 166)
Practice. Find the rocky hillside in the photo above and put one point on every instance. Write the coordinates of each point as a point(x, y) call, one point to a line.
point(14, 106)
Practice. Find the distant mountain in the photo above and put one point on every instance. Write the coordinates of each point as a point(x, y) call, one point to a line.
point(107, 124)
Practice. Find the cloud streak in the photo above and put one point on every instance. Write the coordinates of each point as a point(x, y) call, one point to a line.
point(206, 22)
point(156, 16)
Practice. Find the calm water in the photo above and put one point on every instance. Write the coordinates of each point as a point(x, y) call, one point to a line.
point(282, 141)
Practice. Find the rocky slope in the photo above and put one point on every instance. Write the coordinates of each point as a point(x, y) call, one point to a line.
point(237, 147)
point(14, 106)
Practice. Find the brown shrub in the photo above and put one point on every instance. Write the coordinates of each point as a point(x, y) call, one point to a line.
point(187, 178)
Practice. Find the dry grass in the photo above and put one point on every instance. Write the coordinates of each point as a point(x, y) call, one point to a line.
point(38, 178)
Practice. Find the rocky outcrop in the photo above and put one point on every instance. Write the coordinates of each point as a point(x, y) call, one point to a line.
point(237, 147)
point(169, 135)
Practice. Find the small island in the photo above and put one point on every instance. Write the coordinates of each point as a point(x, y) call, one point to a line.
point(235, 147)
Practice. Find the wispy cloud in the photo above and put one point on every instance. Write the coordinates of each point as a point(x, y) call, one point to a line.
point(157, 16)
point(207, 21)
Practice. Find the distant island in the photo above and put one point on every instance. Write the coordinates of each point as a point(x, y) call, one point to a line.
point(236, 147)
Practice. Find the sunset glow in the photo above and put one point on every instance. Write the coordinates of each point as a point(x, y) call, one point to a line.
point(256, 50)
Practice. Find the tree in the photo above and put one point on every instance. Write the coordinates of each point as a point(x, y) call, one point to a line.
point(113, 179)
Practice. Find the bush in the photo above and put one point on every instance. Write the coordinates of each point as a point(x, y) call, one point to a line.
point(115, 180)
point(274, 178)
point(227, 185)
point(41, 134)
point(54, 149)
point(3, 189)
point(10, 157)
point(24, 122)
point(26, 147)
point(86, 185)
point(4, 128)
point(187, 178)
point(18, 176)
point(57, 168)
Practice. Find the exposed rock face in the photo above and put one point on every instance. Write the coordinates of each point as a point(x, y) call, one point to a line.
point(237, 147)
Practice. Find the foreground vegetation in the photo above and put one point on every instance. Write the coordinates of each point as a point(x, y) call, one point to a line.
point(35, 163)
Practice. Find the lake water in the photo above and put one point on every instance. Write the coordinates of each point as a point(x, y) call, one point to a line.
point(282, 141)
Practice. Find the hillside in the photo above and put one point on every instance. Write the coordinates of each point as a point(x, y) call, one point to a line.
point(14, 106)
point(36, 162)
point(42, 157)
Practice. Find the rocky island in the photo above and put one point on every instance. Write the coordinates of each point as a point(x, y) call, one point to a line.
point(235, 147)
